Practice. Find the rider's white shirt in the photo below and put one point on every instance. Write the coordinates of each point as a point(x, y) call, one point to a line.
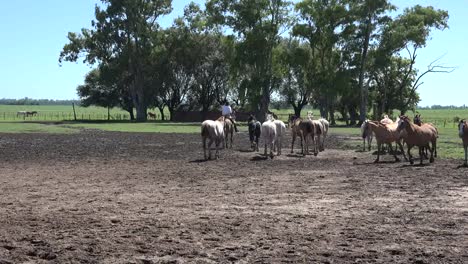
point(226, 110)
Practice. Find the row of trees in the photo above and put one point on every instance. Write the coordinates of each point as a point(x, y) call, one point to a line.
point(30, 101)
point(347, 56)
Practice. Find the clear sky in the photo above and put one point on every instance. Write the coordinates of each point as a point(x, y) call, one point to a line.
point(34, 32)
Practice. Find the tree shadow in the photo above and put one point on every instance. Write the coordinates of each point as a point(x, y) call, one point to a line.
point(246, 150)
point(462, 166)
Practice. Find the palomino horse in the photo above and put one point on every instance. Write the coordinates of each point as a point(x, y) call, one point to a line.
point(255, 130)
point(214, 131)
point(420, 136)
point(228, 131)
point(463, 134)
point(385, 134)
point(280, 132)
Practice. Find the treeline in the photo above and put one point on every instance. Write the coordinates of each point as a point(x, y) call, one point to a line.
point(437, 107)
point(29, 101)
point(348, 56)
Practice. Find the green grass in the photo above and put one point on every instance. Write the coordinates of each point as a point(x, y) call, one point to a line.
point(15, 127)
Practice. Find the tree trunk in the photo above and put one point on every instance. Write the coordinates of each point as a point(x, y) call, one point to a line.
point(171, 113)
point(353, 115)
point(161, 110)
point(364, 89)
point(297, 110)
point(332, 116)
point(132, 115)
point(108, 113)
point(264, 103)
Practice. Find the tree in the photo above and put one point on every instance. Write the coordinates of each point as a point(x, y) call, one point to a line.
point(95, 92)
point(121, 28)
point(258, 25)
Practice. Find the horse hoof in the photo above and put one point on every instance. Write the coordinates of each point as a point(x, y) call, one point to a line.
point(411, 162)
point(376, 161)
point(397, 160)
point(315, 154)
point(431, 160)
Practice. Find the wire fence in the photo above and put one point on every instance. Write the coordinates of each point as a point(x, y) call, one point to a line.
point(61, 116)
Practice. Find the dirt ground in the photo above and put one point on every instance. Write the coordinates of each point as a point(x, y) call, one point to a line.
point(102, 197)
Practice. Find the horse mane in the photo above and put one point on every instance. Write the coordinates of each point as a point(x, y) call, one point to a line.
point(221, 119)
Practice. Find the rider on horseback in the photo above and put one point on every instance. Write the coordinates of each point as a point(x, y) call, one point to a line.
point(227, 113)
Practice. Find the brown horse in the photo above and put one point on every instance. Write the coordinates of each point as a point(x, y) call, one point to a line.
point(303, 129)
point(228, 131)
point(420, 136)
point(151, 115)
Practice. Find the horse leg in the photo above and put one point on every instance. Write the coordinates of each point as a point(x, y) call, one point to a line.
point(272, 145)
point(402, 150)
point(209, 148)
point(204, 148)
point(394, 153)
point(278, 146)
point(409, 155)
point(466, 156)
point(431, 150)
point(378, 152)
point(265, 153)
point(434, 146)
point(217, 143)
point(421, 155)
point(316, 148)
point(232, 134)
point(363, 144)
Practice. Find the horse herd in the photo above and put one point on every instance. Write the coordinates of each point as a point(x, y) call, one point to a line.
point(386, 131)
point(271, 131)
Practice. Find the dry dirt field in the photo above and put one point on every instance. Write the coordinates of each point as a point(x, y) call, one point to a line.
point(102, 197)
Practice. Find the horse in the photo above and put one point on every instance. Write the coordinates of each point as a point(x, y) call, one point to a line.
point(23, 113)
point(214, 131)
point(269, 135)
point(386, 120)
point(326, 127)
point(228, 131)
point(303, 129)
point(366, 134)
point(418, 121)
point(151, 115)
point(255, 130)
point(463, 134)
point(280, 131)
point(419, 136)
point(385, 134)
point(318, 131)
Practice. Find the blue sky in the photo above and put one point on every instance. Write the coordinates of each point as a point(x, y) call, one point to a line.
point(34, 32)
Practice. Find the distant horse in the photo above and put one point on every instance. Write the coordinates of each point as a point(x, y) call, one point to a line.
point(463, 134)
point(255, 130)
point(151, 115)
point(22, 113)
point(269, 135)
point(318, 132)
point(228, 131)
point(32, 113)
point(214, 131)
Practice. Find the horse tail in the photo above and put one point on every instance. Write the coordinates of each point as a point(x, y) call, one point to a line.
point(204, 131)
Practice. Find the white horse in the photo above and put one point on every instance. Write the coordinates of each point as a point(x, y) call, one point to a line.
point(386, 120)
point(269, 134)
point(366, 134)
point(280, 131)
point(214, 131)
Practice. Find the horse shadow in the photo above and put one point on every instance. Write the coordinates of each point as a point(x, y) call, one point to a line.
point(246, 150)
point(295, 155)
point(259, 157)
point(199, 161)
point(462, 166)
